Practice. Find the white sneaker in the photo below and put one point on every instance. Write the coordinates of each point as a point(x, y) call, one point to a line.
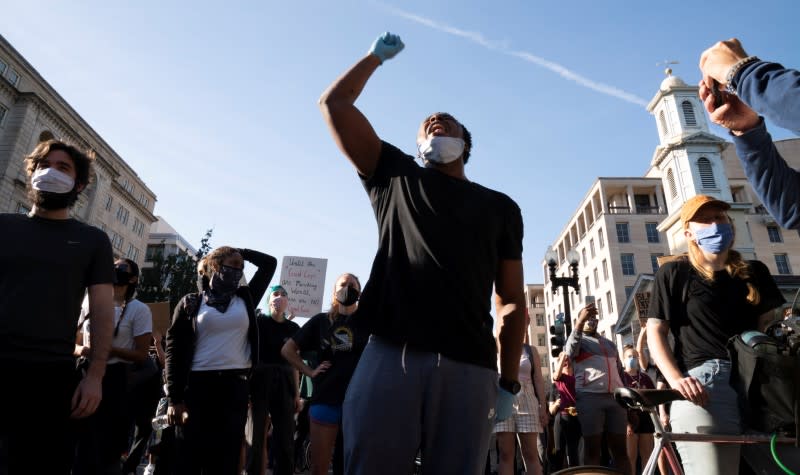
point(150, 469)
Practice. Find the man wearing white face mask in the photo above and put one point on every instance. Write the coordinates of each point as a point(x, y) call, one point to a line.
point(47, 262)
point(597, 370)
point(427, 301)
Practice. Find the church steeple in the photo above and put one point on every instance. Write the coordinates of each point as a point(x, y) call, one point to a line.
point(688, 158)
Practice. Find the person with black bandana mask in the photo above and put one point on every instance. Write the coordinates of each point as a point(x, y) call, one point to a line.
point(212, 344)
point(339, 344)
point(48, 261)
point(104, 436)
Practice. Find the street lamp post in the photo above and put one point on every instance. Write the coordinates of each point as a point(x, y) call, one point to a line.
point(551, 257)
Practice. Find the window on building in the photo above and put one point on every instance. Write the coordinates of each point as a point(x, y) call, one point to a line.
point(540, 320)
point(622, 233)
point(628, 267)
point(688, 114)
point(600, 238)
point(662, 121)
point(109, 202)
point(583, 255)
point(605, 270)
point(3, 67)
point(3, 113)
point(591, 246)
point(135, 257)
point(774, 233)
point(654, 260)
point(540, 340)
point(706, 173)
point(652, 232)
point(116, 240)
point(23, 209)
point(129, 254)
point(596, 278)
point(628, 291)
point(673, 188)
point(782, 262)
point(152, 251)
point(12, 76)
point(599, 305)
point(609, 302)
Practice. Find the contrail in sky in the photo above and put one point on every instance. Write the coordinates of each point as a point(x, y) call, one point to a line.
point(502, 46)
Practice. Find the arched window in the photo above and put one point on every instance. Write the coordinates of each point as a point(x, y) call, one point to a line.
point(45, 136)
point(673, 189)
point(688, 114)
point(706, 173)
point(662, 120)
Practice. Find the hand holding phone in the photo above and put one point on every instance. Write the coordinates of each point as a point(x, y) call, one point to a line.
point(589, 300)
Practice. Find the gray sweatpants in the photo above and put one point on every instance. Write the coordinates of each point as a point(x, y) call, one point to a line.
point(401, 400)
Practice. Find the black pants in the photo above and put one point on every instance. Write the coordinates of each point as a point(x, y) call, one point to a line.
point(567, 435)
point(103, 436)
point(36, 432)
point(273, 394)
point(143, 402)
point(211, 440)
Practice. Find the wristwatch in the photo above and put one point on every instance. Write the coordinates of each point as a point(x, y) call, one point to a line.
point(511, 386)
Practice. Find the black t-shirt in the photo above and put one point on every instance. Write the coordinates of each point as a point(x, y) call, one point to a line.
point(341, 343)
point(714, 311)
point(271, 337)
point(45, 267)
point(441, 240)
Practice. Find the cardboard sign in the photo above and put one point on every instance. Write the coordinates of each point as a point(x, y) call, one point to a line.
point(161, 316)
point(304, 281)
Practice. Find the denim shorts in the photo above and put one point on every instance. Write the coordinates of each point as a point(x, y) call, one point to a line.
point(327, 414)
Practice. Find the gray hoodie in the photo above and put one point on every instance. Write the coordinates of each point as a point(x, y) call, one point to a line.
point(596, 364)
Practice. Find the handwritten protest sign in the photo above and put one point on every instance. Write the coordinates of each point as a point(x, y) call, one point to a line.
point(304, 281)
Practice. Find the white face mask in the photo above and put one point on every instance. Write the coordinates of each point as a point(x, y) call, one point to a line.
point(441, 149)
point(52, 180)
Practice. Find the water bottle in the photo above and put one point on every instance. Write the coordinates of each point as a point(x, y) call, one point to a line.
point(160, 422)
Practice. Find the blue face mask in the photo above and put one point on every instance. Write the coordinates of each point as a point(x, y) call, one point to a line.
point(715, 238)
point(631, 363)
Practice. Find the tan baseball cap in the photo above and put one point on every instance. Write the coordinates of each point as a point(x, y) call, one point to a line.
point(693, 205)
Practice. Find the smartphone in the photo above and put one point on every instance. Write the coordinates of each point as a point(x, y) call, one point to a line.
point(719, 100)
point(589, 299)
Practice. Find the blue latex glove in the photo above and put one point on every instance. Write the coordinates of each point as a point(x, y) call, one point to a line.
point(386, 46)
point(505, 405)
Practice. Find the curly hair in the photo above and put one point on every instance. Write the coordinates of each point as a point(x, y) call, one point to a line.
point(83, 161)
point(215, 258)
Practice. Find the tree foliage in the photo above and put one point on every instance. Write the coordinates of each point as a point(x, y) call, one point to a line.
point(172, 276)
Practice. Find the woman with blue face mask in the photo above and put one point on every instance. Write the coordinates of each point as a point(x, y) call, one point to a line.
point(704, 299)
point(639, 435)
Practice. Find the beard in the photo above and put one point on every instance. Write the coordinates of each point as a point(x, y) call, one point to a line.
point(52, 201)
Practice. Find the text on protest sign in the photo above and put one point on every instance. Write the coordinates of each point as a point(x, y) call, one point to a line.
point(304, 281)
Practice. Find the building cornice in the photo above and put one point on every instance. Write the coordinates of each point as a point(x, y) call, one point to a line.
point(697, 138)
point(133, 202)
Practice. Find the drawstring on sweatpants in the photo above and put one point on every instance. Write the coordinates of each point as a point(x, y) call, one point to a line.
point(403, 359)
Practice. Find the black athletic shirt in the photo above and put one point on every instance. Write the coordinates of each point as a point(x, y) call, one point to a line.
point(272, 336)
point(45, 267)
point(714, 311)
point(441, 240)
point(341, 343)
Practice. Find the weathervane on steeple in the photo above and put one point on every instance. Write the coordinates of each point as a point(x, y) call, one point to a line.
point(667, 62)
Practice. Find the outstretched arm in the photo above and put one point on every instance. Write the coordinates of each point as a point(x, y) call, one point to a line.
point(351, 130)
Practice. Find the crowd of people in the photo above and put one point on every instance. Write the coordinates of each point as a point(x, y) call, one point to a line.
point(413, 363)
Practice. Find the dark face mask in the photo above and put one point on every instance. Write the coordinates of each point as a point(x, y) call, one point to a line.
point(347, 296)
point(202, 283)
point(227, 279)
point(121, 277)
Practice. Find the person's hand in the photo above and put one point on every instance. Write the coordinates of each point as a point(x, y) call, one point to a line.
point(733, 114)
point(320, 369)
point(386, 46)
point(691, 389)
point(586, 313)
point(715, 62)
point(177, 415)
point(87, 396)
point(157, 337)
point(298, 404)
point(504, 405)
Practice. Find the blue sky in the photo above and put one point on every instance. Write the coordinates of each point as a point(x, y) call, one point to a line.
point(214, 105)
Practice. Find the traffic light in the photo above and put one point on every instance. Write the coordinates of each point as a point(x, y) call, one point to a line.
point(557, 339)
